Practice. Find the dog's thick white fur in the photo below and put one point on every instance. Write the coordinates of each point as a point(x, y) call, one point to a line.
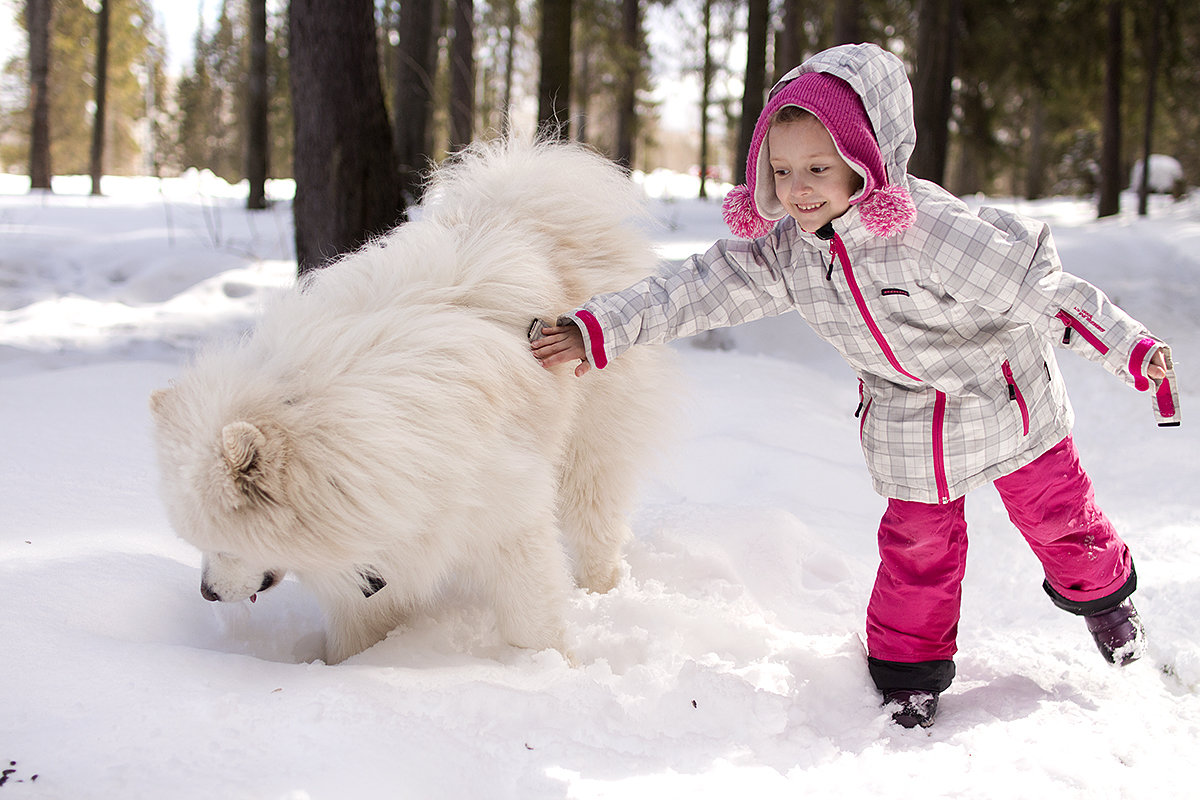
point(388, 421)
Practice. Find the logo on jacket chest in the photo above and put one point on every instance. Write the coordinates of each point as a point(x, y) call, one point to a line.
point(893, 291)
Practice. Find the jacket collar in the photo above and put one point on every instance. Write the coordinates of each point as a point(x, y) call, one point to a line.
point(849, 227)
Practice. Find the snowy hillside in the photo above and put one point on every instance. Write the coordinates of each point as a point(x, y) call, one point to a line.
point(728, 663)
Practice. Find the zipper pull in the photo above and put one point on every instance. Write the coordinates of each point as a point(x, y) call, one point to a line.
point(826, 232)
point(1010, 380)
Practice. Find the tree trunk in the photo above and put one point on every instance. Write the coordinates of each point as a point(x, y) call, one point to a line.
point(412, 96)
point(757, 22)
point(347, 187)
point(937, 33)
point(510, 47)
point(554, 81)
point(705, 91)
point(970, 173)
point(98, 121)
point(581, 87)
point(846, 28)
point(1035, 171)
point(257, 138)
point(1110, 152)
point(462, 76)
point(630, 75)
point(37, 20)
point(1151, 84)
point(789, 49)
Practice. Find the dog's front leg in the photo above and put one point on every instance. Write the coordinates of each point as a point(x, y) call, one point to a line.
point(529, 586)
point(354, 623)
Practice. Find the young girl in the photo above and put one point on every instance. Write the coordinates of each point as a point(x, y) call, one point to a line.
point(948, 317)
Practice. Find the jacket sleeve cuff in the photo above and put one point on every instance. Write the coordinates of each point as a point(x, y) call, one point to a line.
point(1166, 394)
point(593, 335)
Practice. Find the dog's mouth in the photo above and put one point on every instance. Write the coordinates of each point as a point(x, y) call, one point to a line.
point(269, 580)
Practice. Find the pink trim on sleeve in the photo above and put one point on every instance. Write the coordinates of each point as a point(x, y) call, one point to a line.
point(1166, 405)
point(595, 337)
point(1136, 359)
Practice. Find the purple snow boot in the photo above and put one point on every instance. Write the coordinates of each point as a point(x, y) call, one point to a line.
point(1118, 633)
point(913, 707)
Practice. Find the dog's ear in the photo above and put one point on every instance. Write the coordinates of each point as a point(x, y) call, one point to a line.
point(241, 444)
point(159, 399)
point(253, 463)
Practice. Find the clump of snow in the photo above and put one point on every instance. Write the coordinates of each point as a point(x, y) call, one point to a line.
point(727, 663)
point(1166, 174)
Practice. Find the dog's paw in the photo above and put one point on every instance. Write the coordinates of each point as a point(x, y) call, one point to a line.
point(599, 581)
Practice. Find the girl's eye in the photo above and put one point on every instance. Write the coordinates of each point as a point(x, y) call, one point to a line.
point(818, 170)
point(779, 173)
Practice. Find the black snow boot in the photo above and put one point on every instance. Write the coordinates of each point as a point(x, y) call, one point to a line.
point(1118, 633)
point(912, 707)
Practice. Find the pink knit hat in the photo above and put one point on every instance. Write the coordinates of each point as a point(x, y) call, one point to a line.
point(750, 210)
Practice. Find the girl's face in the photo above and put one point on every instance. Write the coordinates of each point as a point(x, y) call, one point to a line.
point(812, 181)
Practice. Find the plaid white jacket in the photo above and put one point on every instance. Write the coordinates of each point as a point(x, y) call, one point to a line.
point(950, 326)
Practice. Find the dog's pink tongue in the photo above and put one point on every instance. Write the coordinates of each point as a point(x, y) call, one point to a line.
point(253, 597)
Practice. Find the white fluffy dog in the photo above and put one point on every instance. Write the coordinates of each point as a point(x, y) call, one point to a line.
point(385, 433)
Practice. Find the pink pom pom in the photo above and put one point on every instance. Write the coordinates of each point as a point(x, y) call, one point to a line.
point(888, 211)
point(742, 216)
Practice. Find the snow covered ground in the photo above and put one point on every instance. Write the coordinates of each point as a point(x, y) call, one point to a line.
point(728, 663)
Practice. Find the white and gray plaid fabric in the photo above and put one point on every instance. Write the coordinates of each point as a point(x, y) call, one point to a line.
point(968, 304)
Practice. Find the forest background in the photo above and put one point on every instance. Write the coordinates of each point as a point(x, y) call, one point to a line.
point(354, 98)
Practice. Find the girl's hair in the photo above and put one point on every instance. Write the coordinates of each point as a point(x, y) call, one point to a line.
point(798, 114)
point(792, 114)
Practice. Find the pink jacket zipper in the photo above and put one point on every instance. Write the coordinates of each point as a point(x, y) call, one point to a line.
point(864, 408)
point(1084, 331)
point(1014, 393)
point(837, 249)
point(939, 456)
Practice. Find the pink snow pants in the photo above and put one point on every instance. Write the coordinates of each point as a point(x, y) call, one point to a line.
point(914, 609)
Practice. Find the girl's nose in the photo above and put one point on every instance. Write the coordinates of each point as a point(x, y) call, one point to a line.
point(801, 188)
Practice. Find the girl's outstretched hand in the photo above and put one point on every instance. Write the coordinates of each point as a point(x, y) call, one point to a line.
point(561, 345)
point(1156, 370)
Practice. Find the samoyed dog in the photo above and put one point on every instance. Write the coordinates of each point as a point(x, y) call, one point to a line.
point(385, 434)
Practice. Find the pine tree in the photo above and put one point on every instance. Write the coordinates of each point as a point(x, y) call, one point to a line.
point(257, 107)
point(554, 82)
point(347, 184)
point(38, 24)
point(462, 75)
point(99, 119)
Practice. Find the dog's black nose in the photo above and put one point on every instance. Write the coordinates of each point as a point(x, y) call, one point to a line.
point(208, 594)
point(269, 579)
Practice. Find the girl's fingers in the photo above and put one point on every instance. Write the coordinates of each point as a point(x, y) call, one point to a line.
point(549, 346)
point(1156, 370)
point(560, 345)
